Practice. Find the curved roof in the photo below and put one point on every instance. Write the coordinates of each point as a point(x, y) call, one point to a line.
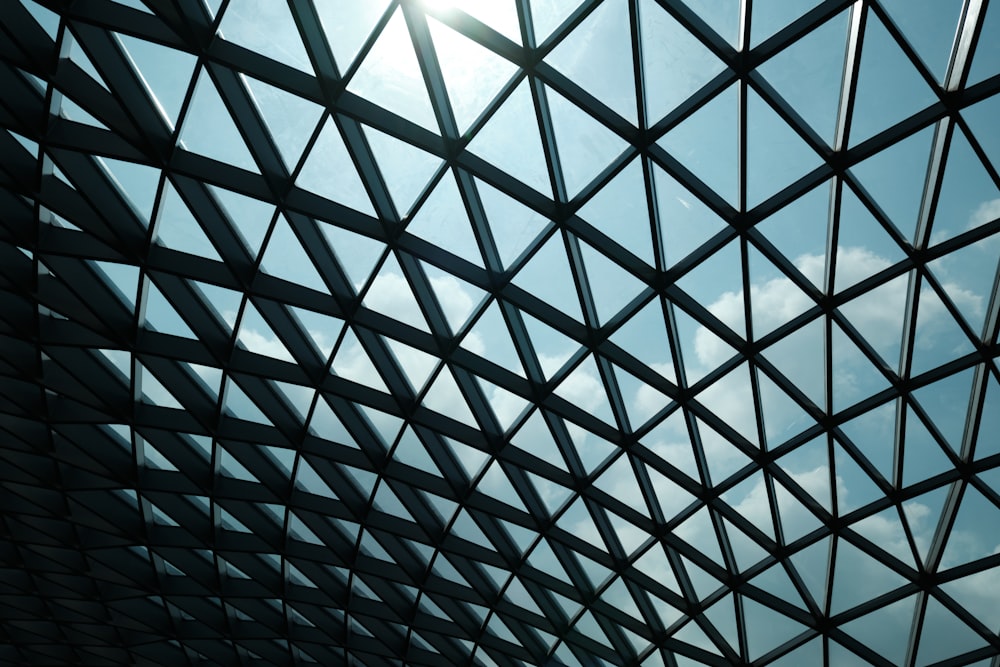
point(548, 332)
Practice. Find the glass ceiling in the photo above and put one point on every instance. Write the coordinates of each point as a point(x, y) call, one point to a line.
point(500, 332)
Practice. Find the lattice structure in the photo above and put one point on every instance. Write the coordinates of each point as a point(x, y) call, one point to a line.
point(548, 332)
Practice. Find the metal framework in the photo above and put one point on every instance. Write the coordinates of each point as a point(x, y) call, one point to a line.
point(286, 444)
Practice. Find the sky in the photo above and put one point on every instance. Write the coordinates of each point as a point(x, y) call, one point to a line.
point(832, 237)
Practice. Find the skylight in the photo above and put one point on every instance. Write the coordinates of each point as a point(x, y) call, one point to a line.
point(500, 332)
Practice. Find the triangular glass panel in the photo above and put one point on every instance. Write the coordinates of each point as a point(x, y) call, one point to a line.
point(969, 197)
point(208, 128)
point(542, 558)
point(250, 218)
point(800, 357)
point(611, 286)
point(746, 551)
point(878, 315)
point(978, 594)
point(358, 254)
point(655, 565)
point(308, 480)
point(351, 362)
point(490, 338)
point(946, 402)
point(811, 564)
point(885, 630)
point(548, 276)
point(268, 29)
point(552, 348)
point(685, 222)
point(577, 521)
point(895, 177)
point(766, 629)
point(325, 424)
point(964, 275)
point(675, 63)
point(859, 578)
point(553, 495)
point(642, 400)
point(286, 258)
point(797, 520)
point(329, 171)
point(886, 531)
point(161, 315)
point(46, 18)
point(390, 294)
point(698, 530)
point(585, 146)
point(297, 397)
point(799, 231)
point(547, 15)
point(390, 76)
point(981, 118)
point(153, 391)
point(445, 397)
point(740, 414)
point(644, 335)
point(706, 143)
point(290, 119)
point(122, 279)
point(808, 73)
point(583, 388)
point(348, 25)
point(442, 220)
point(513, 225)
point(237, 404)
point(750, 499)
point(136, 182)
point(458, 299)
point(535, 438)
point(411, 450)
point(323, 330)
point(507, 406)
point(165, 72)
point(973, 535)
point(497, 484)
point(405, 168)
point(619, 211)
point(717, 284)
point(929, 29)
point(854, 376)
point(592, 449)
point(855, 487)
point(417, 365)
point(873, 434)
point(701, 350)
point(177, 229)
point(70, 110)
point(863, 246)
point(944, 635)
point(525, 159)
point(257, 336)
point(722, 16)
point(884, 66)
point(473, 74)
point(597, 56)
point(775, 299)
point(938, 338)
point(776, 155)
point(922, 515)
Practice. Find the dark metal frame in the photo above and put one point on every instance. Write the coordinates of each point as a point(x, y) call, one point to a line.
point(89, 560)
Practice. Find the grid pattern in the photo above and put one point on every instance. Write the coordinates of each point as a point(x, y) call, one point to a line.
point(667, 336)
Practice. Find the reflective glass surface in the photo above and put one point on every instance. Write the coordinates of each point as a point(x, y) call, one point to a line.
point(500, 332)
